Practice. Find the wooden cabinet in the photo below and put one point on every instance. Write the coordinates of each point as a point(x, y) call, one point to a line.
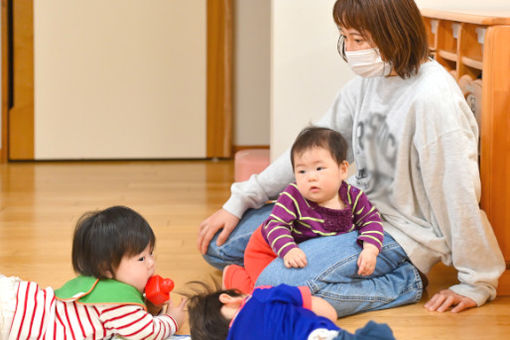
point(475, 49)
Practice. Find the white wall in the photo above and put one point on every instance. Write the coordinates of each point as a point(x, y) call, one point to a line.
point(306, 71)
point(252, 72)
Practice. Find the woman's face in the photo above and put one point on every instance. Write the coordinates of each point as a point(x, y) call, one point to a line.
point(354, 41)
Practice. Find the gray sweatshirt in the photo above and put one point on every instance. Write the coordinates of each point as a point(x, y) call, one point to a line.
point(415, 145)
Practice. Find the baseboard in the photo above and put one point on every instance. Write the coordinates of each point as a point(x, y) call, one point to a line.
point(236, 148)
point(504, 283)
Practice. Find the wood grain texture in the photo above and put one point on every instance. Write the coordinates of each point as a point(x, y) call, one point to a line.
point(21, 115)
point(480, 17)
point(4, 29)
point(41, 202)
point(219, 78)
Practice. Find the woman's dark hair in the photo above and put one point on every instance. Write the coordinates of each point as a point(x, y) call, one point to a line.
point(102, 238)
point(325, 138)
point(395, 26)
point(204, 310)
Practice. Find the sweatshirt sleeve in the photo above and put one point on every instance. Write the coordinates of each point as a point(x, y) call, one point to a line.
point(259, 188)
point(449, 167)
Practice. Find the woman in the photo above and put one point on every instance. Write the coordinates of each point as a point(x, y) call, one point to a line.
point(414, 141)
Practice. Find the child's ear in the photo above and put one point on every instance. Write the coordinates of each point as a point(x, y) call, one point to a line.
point(104, 268)
point(227, 299)
point(344, 170)
point(344, 166)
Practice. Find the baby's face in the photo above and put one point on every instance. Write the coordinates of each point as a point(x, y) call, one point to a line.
point(318, 176)
point(136, 270)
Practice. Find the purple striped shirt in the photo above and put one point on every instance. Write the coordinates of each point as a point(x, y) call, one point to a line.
point(295, 219)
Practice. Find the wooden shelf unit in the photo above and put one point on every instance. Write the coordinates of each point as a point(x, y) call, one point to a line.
point(475, 49)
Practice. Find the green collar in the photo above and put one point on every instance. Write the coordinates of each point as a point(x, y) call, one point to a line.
point(90, 290)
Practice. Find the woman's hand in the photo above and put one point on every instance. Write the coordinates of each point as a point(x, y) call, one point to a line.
point(367, 259)
point(446, 299)
point(221, 219)
point(295, 258)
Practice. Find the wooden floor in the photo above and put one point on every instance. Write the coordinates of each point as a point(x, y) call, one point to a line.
point(40, 203)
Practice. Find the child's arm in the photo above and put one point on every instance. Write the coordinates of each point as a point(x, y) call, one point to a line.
point(367, 259)
point(314, 303)
point(277, 228)
point(366, 218)
point(323, 308)
point(178, 313)
point(295, 258)
point(133, 322)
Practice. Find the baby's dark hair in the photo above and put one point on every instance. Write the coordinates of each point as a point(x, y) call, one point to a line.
point(102, 238)
point(311, 137)
point(204, 310)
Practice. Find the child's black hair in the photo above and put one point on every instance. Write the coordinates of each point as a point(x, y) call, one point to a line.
point(102, 238)
point(311, 137)
point(204, 310)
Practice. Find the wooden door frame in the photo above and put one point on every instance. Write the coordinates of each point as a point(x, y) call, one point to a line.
point(5, 81)
point(219, 79)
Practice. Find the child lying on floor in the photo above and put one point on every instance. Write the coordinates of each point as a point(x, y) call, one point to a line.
point(112, 253)
point(280, 313)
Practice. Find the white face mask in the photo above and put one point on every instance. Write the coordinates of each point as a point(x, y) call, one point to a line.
point(368, 63)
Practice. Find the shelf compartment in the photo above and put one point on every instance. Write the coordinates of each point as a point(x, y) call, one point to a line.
point(451, 56)
point(477, 64)
point(447, 35)
point(449, 65)
point(431, 26)
point(471, 42)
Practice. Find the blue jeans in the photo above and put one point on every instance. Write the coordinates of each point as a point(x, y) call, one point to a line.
point(331, 272)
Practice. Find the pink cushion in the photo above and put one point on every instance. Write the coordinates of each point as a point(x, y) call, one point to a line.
point(248, 162)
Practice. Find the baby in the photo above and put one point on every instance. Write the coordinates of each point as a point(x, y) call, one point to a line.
point(280, 313)
point(319, 203)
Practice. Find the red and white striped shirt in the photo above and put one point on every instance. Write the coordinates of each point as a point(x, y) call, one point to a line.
point(40, 315)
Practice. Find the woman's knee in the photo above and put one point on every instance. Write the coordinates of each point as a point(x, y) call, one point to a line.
point(232, 251)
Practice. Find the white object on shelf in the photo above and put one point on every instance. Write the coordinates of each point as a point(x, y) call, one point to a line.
point(433, 26)
point(480, 31)
point(455, 30)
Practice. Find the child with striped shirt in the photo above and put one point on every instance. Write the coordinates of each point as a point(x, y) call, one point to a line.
point(319, 203)
point(112, 253)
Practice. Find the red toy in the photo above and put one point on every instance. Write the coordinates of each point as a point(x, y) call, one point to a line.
point(158, 289)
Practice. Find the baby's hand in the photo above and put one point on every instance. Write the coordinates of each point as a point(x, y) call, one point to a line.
point(178, 313)
point(295, 258)
point(367, 259)
point(152, 308)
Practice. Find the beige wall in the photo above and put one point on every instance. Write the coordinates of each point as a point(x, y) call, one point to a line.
point(252, 72)
point(120, 79)
point(306, 71)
